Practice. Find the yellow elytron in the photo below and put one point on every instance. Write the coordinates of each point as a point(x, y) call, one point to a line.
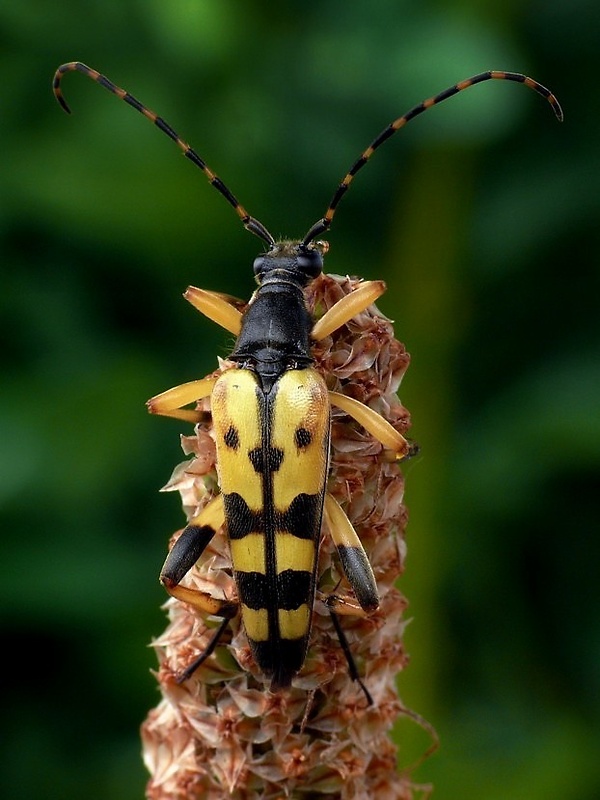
point(271, 413)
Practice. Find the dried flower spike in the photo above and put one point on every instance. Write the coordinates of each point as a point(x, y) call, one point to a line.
point(222, 733)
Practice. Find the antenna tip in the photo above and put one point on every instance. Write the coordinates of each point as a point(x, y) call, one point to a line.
point(558, 110)
point(57, 90)
point(62, 102)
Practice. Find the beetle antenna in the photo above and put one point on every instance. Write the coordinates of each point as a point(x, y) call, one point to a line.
point(323, 224)
point(250, 223)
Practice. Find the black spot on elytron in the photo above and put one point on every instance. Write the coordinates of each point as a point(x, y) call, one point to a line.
point(303, 437)
point(256, 459)
point(232, 438)
point(274, 459)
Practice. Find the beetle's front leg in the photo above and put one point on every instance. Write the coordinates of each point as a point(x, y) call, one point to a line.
point(169, 403)
point(217, 307)
point(348, 307)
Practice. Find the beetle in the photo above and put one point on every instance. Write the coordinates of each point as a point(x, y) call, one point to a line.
point(271, 411)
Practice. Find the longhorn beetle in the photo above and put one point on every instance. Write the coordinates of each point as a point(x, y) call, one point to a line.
point(271, 415)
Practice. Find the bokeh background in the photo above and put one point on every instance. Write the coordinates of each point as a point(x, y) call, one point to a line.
point(482, 216)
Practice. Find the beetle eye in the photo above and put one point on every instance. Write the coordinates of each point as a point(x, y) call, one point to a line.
point(259, 265)
point(310, 262)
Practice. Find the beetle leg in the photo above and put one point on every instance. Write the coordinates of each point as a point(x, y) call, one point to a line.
point(186, 551)
point(201, 658)
point(352, 668)
point(349, 306)
point(353, 558)
point(216, 307)
point(168, 404)
point(359, 574)
point(374, 423)
point(344, 605)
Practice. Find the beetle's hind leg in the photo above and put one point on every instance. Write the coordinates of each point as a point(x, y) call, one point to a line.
point(353, 559)
point(208, 651)
point(359, 574)
point(183, 555)
point(352, 668)
point(186, 551)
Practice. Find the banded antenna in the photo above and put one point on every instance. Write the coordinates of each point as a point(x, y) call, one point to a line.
point(324, 224)
point(250, 223)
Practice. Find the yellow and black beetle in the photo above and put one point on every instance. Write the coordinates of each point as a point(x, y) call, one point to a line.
point(271, 415)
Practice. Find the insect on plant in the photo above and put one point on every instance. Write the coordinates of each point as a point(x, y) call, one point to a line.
point(271, 412)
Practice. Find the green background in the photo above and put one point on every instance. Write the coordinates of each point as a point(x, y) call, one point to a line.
point(482, 216)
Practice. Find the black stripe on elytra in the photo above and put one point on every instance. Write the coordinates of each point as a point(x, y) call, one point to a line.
point(293, 589)
point(302, 518)
point(253, 589)
point(240, 519)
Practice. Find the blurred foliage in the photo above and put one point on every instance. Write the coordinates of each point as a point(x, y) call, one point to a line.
point(483, 218)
